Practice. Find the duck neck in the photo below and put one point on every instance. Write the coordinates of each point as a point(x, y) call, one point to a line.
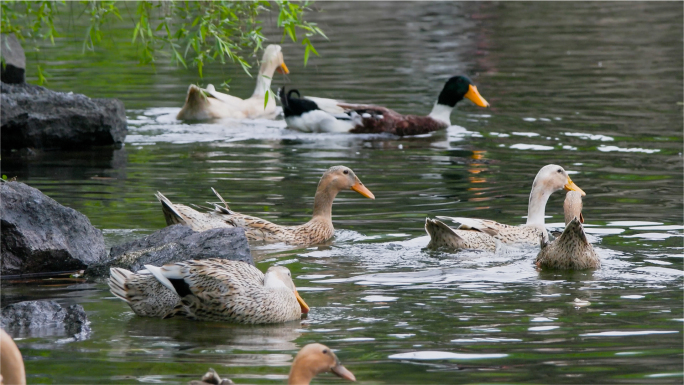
point(264, 79)
point(325, 195)
point(300, 374)
point(537, 206)
point(442, 113)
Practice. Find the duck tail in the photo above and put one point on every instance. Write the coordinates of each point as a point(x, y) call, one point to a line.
point(195, 104)
point(117, 282)
point(441, 235)
point(171, 215)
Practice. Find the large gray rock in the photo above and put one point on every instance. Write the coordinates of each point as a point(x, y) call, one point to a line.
point(33, 116)
point(174, 244)
point(45, 319)
point(40, 235)
point(14, 68)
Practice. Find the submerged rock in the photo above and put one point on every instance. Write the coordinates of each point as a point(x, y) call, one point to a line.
point(34, 116)
point(174, 244)
point(40, 235)
point(45, 319)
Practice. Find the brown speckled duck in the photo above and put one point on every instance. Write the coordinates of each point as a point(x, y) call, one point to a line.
point(210, 290)
point(311, 114)
point(312, 359)
point(571, 250)
point(205, 104)
point(483, 234)
point(317, 230)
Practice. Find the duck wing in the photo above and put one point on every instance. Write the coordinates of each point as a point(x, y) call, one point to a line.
point(229, 99)
point(330, 106)
point(486, 226)
point(378, 119)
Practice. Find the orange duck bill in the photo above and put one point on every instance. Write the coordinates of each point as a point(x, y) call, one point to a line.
point(304, 306)
point(475, 96)
point(282, 69)
point(361, 189)
point(571, 186)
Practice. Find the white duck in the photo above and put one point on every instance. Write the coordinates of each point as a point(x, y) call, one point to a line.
point(483, 234)
point(205, 104)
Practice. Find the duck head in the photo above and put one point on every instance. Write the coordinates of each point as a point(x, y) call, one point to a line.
point(273, 60)
point(314, 359)
point(279, 277)
point(572, 207)
point(457, 88)
point(549, 179)
point(340, 178)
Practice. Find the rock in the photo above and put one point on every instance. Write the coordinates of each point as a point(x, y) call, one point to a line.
point(14, 69)
point(45, 319)
point(174, 244)
point(40, 235)
point(33, 116)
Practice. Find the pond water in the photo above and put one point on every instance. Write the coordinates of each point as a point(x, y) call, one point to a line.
point(594, 87)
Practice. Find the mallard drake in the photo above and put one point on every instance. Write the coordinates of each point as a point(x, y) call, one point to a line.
point(12, 370)
point(326, 115)
point(312, 359)
point(571, 250)
point(210, 290)
point(205, 104)
point(483, 234)
point(317, 230)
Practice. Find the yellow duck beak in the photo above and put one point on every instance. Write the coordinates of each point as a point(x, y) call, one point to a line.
point(361, 189)
point(304, 306)
point(571, 186)
point(475, 96)
point(282, 69)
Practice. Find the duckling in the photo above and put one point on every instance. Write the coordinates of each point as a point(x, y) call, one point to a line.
point(572, 250)
point(210, 290)
point(483, 234)
point(326, 115)
point(317, 230)
point(205, 104)
point(312, 359)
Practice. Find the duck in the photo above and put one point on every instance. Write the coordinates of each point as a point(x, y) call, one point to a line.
point(12, 370)
point(571, 250)
point(311, 114)
point(483, 234)
point(312, 360)
point(317, 230)
point(207, 104)
point(210, 290)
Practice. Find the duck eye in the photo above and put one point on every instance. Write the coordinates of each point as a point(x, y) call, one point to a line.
point(346, 172)
point(559, 170)
point(325, 351)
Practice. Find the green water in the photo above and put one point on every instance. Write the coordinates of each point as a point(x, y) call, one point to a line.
point(594, 87)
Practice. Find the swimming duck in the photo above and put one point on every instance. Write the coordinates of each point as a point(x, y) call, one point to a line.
point(483, 234)
point(317, 230)
point(572, 250)
point(12, 370)
point(327, 115)
point(210, 290)
point(204, 104)
point(312, 359)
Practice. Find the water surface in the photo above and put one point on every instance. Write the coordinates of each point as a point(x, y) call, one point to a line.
point(594, 87)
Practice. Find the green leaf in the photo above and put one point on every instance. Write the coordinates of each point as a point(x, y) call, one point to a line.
point(266, 99)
